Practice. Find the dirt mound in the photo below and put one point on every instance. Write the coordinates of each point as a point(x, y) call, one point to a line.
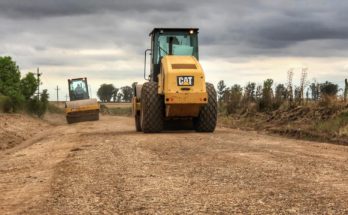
point(305, 113)
point(16, 128)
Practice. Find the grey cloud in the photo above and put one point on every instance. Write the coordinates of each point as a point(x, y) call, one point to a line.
point(242, 27)
point(49, 8)
point(39, 32)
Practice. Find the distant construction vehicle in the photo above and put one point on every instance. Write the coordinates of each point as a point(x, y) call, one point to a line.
point(176, 87)
point(80, 107)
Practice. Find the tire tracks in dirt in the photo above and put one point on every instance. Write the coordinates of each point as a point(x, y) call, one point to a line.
point(105, 167)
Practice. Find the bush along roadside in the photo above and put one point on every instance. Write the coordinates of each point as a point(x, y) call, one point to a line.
point(310, 122)
point(38, 106)
point(17, 93)
point(316, 111)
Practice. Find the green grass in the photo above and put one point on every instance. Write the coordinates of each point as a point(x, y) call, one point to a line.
point(118, 111)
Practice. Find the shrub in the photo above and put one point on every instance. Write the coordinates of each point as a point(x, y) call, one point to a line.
point(38, 107)
point(16, 90)
point(9, 104)
point(5, 104)
point(333, 125)
point(328, 89)
point(328, 93)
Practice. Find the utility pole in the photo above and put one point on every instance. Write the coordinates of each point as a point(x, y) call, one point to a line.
point(38, 74)
point(345, 89)
point(57, 89)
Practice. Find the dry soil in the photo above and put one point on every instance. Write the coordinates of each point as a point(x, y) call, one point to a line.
point(105, 167)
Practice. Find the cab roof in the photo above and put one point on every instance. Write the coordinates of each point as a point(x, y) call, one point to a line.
point(173, 29)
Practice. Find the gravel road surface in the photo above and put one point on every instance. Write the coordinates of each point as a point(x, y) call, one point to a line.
point(105, 167)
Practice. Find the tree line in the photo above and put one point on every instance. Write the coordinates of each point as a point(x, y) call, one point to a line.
point(110, 93)
point(18, 93)
point(269, 97)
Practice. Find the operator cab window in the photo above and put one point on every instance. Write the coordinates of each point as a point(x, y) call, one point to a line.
point(175, 43)
point(79, 89)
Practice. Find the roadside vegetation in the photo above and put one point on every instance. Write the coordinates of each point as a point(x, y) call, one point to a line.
point(116, 109)
point(110, 93)
point(115, 101)
point(311, 110)
point(19, 93)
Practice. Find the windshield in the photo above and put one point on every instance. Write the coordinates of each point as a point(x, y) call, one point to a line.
point(78, 90)
point(182, 44)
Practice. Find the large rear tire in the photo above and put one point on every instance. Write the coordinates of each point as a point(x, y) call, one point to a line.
point(206, 121)
point(152, 108)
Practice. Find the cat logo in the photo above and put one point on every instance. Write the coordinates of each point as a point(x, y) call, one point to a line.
point(185, 80)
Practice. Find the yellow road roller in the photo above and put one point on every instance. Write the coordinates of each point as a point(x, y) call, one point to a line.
point(176, 89)
point(80, 107)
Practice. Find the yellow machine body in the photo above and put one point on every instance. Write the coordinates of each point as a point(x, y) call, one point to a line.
point(176, 93)
point(182, 82)
point(80, 106)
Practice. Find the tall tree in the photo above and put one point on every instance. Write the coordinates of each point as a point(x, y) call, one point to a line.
point(267, 93)
point(9, 76)
point(258, 93)
point(280, 94)
point(221, 87)
point(10, 82)
point(329, 89)
point(105, 92)
point(114, 94)
point(127, 92)
point(28, 85)
point(235, 96)
point(119, 97)
point(249, 92)
point(314, 88)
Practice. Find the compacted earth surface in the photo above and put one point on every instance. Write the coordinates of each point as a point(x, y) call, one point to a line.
point(17, 128)
point(105, 167)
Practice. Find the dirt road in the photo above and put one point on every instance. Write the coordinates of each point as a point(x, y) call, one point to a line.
point(105, 167)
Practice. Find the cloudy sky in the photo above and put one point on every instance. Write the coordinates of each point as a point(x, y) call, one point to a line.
point(240, 41)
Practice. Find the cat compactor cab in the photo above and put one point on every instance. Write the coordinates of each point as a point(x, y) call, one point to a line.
point(176, 87)
point(80, 107)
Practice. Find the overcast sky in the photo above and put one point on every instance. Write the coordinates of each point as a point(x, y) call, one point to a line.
point(240, 41)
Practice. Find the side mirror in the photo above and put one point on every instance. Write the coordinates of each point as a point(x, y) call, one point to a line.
point(147, 50)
